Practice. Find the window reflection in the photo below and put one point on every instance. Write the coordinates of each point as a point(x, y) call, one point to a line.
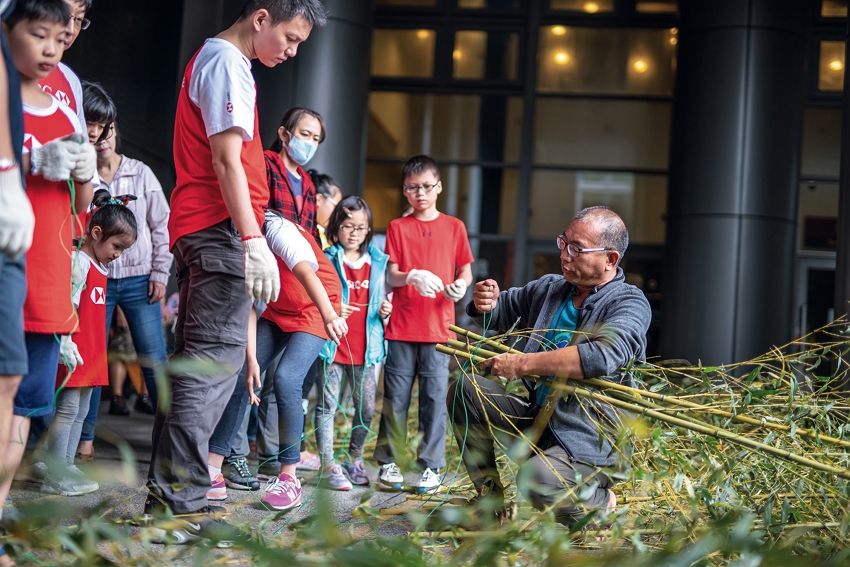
point(818, 216)
point(656, 6)
point(587, 6)
point(483, 55)
point(406, 2)
point(831, 66)
point(821, 155)
point(641, 201)
point(454, 127)
point(605, 133)
point(403, 53)
point(497, 4)
point(594, 60)
point(833, 9)
point(484, 198)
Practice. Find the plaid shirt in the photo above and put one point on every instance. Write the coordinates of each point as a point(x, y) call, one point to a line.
point(283, 201)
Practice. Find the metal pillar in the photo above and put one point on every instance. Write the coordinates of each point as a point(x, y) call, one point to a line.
point(842, 260)
point(330, 74)
point(734, 170)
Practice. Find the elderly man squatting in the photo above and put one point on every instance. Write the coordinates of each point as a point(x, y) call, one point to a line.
point(596, 326)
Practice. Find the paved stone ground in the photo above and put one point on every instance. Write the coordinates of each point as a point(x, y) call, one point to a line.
point(122, 493)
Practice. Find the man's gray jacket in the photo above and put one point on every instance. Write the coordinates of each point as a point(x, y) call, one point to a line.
point(610, 335)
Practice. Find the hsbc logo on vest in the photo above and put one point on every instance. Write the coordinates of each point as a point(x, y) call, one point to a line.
point(58, 95)
point(358, 285)
point(229, 106)
point(98, 297)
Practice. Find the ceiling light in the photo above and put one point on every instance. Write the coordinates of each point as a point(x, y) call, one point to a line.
point(559, 30)
point(423, 34)
point(456, 55)
point(674, 31)
point(640, 66)
point(562, 58)
point(591, 7)
point(674, 40)
point(836, 65)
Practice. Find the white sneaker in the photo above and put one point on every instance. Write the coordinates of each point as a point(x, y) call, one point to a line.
point(429, 481)
point(390, 476)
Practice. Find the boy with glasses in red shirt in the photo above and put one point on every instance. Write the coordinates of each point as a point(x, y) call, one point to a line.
point(430, 267)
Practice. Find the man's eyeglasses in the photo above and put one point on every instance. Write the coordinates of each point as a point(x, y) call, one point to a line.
point(414, 189)
point(82, 23)
point(354, 229)
point(574, 250)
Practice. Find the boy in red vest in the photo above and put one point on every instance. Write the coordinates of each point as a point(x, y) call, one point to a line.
point(217, 209)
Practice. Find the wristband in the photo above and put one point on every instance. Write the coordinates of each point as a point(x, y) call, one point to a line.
point(246, 238)
point(7, 164)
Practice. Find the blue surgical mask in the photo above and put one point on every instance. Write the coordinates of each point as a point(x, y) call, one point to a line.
point(301, 151)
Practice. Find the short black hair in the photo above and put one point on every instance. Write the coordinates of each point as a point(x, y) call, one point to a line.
point(417, 165)
point(612, 230)
point(97, 104)
point(55, 11)
point(113, 219)
point(290, 122)
point(341, 214)
point(287, 10)
point(324, 183)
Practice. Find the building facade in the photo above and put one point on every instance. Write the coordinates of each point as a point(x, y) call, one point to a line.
point(713, 127)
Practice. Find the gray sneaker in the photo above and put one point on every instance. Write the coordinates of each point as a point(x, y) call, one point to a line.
point(268, 470)
point(357, 472)
point(73, 483)
point(237, 475)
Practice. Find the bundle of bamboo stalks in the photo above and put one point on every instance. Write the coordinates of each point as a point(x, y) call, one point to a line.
point(768, 431)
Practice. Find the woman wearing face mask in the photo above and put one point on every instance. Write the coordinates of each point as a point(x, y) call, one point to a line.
point(293, 194)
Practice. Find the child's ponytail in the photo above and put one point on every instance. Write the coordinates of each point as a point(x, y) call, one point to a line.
point(112, 216)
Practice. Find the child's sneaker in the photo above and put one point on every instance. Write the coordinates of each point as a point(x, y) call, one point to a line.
point(68, 485)
point(269, 470)
point(390, 476)
point(309, 462)
point(283, 492)
point(237, 475)
point(357, 472)
point(218, 490)
point(335, 479)
point(429, 481)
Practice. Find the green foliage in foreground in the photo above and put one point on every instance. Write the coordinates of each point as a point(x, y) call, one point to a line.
point(684, 498)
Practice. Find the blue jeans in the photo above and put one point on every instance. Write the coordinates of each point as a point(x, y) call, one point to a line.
point(145, 321)
point(299, 352)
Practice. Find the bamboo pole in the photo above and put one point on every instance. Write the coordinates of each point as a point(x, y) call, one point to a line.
point(654, 395)
point(697, 427)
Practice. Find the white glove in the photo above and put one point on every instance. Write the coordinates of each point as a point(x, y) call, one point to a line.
point(55, 160)
point(86, 164)
point(69, 354)
point(423, 281)
point(262, 280)
point(16, 218)
point(456, 291)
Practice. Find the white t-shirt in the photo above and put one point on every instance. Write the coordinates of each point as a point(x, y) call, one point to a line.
point(286, 241)
point(223, 87)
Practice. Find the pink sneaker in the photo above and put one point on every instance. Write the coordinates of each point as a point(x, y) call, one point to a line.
point(218, 490)
point(309, 462)
point(283, 492)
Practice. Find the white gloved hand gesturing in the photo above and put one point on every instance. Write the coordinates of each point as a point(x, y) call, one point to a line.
point(86, 165)
point(57, 159)
point(423, 281)
point(262, 280)
point(16, 218)
point(455, 291)
point(69, 354)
